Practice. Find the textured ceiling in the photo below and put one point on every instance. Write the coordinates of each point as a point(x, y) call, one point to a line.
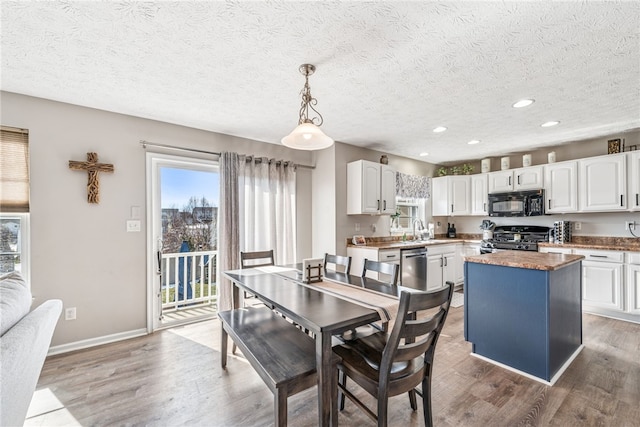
point(387, 72)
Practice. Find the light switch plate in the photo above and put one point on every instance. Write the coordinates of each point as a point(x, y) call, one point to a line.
point(133, 226)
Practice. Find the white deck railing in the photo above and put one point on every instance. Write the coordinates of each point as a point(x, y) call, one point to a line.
point(189, 279)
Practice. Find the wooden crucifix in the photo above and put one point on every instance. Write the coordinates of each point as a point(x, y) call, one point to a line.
point(93, 168)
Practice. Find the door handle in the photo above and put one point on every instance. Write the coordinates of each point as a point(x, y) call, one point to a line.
point(384, 204)
point(445, 262)
point(509, 180)
point(451, 207)
point(637, 202)
point(621, 200)
point(441, 263)
point(518, 179)
point(378, 201)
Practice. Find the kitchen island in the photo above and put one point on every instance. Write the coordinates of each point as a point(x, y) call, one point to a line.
point(523, 311)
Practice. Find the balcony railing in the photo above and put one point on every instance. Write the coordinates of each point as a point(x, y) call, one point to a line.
point(189, 280)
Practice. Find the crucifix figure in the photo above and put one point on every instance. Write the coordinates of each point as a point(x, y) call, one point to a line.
point(92, 167)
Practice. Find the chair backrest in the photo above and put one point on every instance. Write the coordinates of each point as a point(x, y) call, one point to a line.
point(337, 260)
point(387, 268)
point(420, 319)
point(256, 259)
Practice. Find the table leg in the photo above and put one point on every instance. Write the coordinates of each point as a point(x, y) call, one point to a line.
point(327, 389)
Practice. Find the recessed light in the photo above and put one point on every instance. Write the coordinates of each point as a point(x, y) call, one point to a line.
point(523, 103)
point(549, 124)
point(439, 129)
point(473, 141)
point(424, 154)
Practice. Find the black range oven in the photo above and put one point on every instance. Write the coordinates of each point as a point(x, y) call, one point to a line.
point(515, 238)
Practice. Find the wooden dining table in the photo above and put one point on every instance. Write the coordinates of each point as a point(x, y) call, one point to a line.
point(323, 314)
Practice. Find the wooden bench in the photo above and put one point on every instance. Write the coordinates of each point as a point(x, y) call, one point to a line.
point(283, 355)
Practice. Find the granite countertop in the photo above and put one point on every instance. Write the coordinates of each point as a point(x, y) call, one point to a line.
point(601, 243)
point(395, 242)
point(526, 259)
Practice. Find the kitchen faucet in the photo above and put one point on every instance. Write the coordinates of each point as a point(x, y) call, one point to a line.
point(420, 228)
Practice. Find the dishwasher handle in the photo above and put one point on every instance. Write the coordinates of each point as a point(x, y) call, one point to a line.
point(419, 255)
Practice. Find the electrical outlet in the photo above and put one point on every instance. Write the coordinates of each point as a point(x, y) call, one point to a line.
point(70, 313)
point(577, 226)
point(630, 225)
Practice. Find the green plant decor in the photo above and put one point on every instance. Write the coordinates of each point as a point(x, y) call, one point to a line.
point(442, 171)
point(467, 168)
point(455, 170)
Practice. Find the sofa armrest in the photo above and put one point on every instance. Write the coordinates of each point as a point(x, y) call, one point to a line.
point(23, 349)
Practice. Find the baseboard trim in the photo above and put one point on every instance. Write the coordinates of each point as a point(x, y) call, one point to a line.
point(92, 342)
point(533, 377)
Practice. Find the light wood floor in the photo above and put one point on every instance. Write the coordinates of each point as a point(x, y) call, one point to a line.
point(173, 378)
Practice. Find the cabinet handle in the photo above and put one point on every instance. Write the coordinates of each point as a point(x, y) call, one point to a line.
point(391, 256)
point(549, 203)
point(637, 202)
point(378, 208)
point(485, 206)
point(621, 200)
point(451, 207)
point(441, 263)
point(598, 256)
point(384, 204)
point(509, 180)
point(445, 262)
point(518, 179)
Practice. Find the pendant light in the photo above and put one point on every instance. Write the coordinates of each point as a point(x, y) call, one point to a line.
point(307, 135)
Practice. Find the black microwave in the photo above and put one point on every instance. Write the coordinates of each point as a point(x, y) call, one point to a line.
point(517, 203)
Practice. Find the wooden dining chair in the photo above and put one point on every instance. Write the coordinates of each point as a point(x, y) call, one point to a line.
point(390, 269)
point(338, 260)
point(255, 259)
point(387, 365)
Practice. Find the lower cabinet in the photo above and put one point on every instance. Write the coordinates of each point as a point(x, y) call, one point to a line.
point(633, 283)
point(610, 282)
point(441, 265)
point(358, 255)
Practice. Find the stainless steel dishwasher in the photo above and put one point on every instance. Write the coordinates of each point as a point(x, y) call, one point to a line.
point(413, 268)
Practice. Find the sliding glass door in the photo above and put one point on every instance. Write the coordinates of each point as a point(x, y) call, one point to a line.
point(182, 206)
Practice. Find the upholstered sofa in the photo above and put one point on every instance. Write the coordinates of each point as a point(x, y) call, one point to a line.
point(25, 337)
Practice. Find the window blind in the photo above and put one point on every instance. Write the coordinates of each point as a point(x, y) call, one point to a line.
point(14, 170)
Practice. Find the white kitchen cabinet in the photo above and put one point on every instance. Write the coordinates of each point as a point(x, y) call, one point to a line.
point(602, 279)
point(458, 263)
point(441, 265)
point(602, 183)
point(633, 283)
point(634, 181)
point(529, 178)
point(479, 194)
point(358, 255)
point(451, 195)
point(371, 188)
point(561, 187)
point(554, 250)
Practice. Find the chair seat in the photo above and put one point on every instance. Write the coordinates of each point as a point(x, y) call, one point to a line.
point(362, 357)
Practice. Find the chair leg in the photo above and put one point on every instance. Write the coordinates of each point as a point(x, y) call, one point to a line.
point(383, 406)
point(426, 401)
point(342, 380)
point(412, 400)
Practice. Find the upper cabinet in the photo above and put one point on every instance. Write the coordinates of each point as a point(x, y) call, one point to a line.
point(529, 178)
point(371, 188)
point(603, 183)
point(561, 187)
point(634, 181)
point(479, 193)
point(451, 195)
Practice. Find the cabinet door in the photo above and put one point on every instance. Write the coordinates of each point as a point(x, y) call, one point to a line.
point(448, 268)
point(458, 262)
point(603, 183)
point(459, 195)
point(634, 183)
point(434, 271)
point(561, 187)
point(528, 178)
point(388, 189)
point(633, 289)
point(602, 285)
point(370, 187)
point(499, 182)
point(479, 191)
point(439, 196)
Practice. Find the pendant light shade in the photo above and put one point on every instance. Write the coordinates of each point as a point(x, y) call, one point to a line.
point(307, 135)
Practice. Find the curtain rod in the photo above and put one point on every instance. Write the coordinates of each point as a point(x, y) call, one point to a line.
point(194, 150)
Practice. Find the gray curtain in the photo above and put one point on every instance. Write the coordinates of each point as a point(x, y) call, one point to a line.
point(229, 226)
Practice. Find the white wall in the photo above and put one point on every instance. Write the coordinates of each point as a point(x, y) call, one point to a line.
point(80, 252)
